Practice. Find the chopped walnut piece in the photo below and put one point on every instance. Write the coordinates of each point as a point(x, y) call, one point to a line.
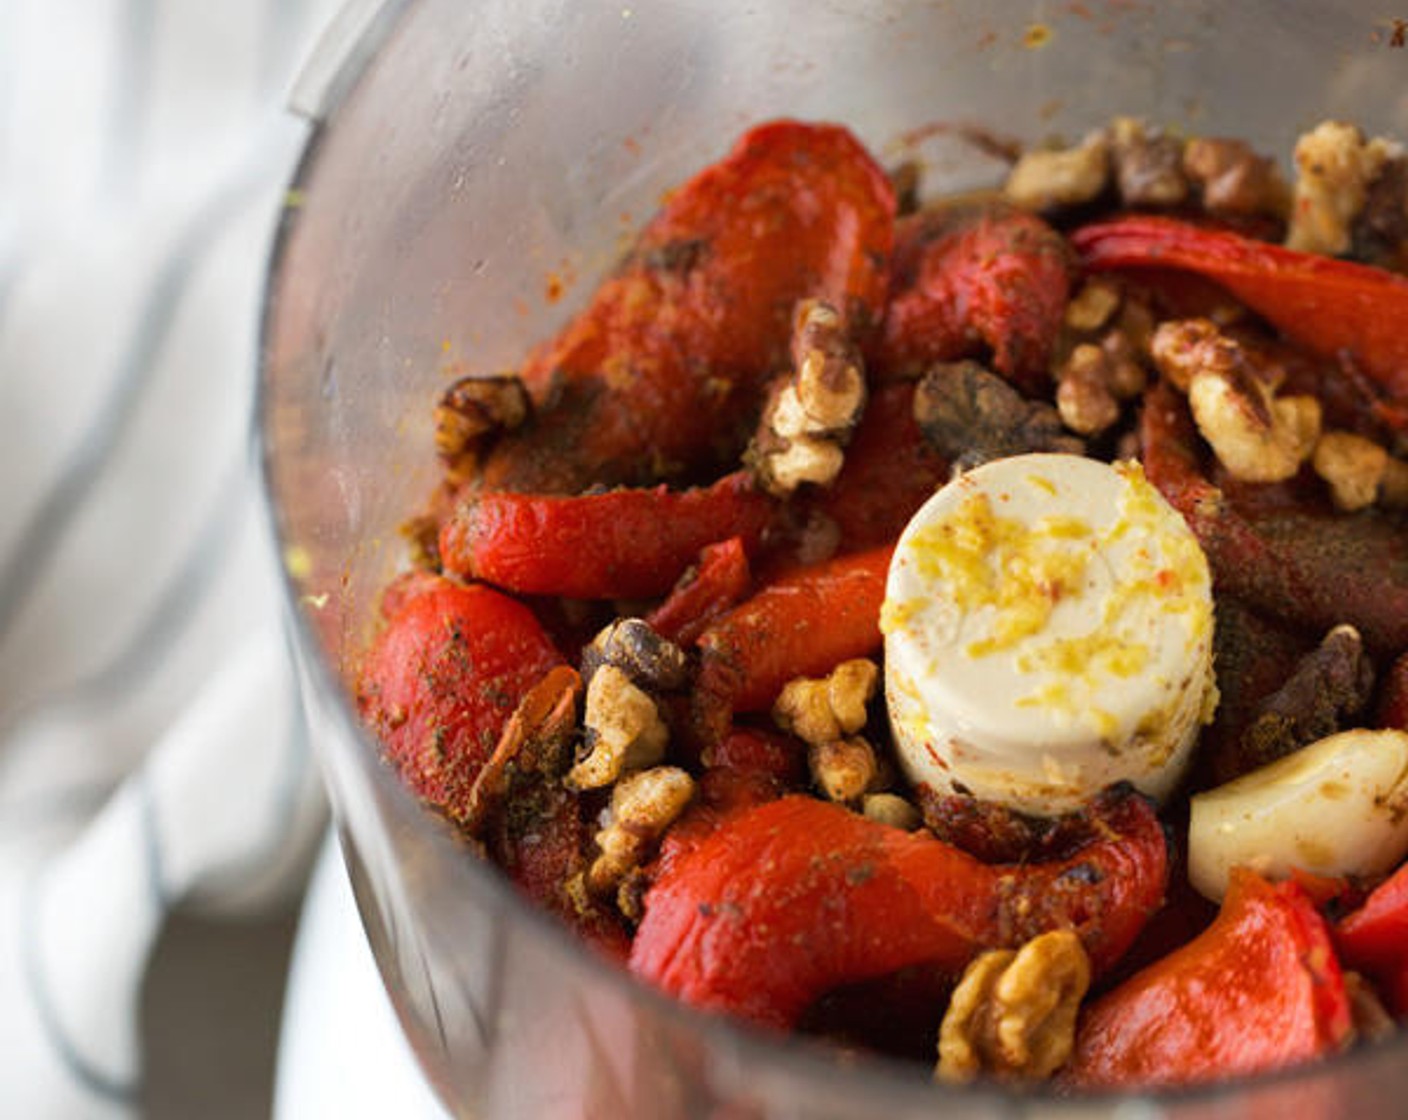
point(1181, 347)
point(1083, 395)
point(1099, 371)
point(822, 710)
point(1233, 179)
point(1335, 167)
point(844, 769)
point(472, 412)
point(810, 415)
point(1325, 693)
point(1135, 326)
point(1257, 437)
point(1360, 472)
point(1125, 374)
point(1148, 165)
point(1048, 179)
point(624, 731)
point(971, 416)
point(803, 460)
point(891, 809)
point(1013, 1014)
point(643, 806)
point(1094, 305)
point(650, 661)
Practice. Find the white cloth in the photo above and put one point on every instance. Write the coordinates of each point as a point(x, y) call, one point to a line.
point(342, 1052)
point(152, 749)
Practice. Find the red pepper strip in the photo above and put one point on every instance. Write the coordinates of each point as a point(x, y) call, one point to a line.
point(626, 544)
point(721, 578)
point(1258, 990)
point(970, 277)
point(753, 750)
point(1392, 709)
point(890, 470)
point(1329, 306)
point(1316, 570)
point(1374, 938)
point(663, 374)
point(784, 902)
point(442, 678)
point(801, 625)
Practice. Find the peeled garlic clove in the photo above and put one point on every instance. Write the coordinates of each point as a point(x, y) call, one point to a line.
point(1336, 807)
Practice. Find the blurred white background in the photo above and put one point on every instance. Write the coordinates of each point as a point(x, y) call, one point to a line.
point(157, 802)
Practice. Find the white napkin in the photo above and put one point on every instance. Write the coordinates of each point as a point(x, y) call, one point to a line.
point(152, 749)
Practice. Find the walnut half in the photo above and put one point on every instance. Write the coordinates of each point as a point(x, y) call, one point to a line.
point(1360, 472)
point(811, 414)
point(624, 731)
point(1048, 179)
point(1257, 436)
point(821, 711)
point(1013, 1014)
point(473, 412)
point(643, 806)
point(1335, 166)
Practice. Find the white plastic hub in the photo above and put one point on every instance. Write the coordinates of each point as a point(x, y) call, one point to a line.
point(1048, 631)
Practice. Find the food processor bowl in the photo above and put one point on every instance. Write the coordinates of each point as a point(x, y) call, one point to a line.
point(473, 168)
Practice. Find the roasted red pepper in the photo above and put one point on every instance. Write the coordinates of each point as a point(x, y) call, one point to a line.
point(663, 374)
point(706, 591)
point(1311, 567)
point(781, 903)
point(800, 625)
point(971, 278)
point(1261, 988)
point(625, 544)
point(1329, 306)
point(442, 678)
point(1374, 939)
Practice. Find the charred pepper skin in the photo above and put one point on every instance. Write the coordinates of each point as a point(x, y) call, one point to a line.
point(663, 374)
point(785, 901)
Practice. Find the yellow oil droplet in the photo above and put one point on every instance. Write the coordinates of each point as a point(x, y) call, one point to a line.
point(298, 562)
point(1036, 36)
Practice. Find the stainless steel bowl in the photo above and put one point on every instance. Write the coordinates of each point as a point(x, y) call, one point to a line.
point(466, 156)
